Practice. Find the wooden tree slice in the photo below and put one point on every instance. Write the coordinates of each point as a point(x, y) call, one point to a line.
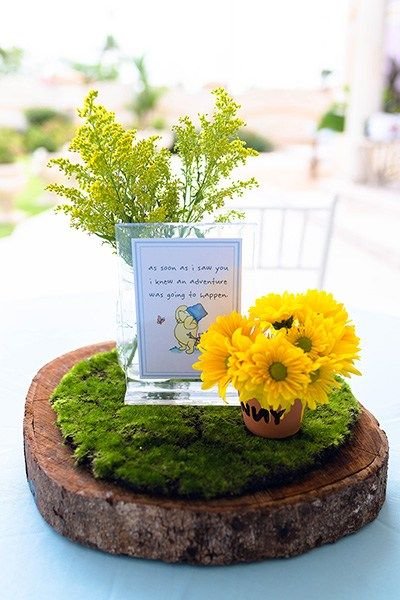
point(328, 503)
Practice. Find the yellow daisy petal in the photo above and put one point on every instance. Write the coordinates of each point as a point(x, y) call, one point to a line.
point(275, 309)
point(323, 303)
point(312, 336)
point(322, 381)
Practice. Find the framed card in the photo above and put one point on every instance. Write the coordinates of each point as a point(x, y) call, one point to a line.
point(181, 286)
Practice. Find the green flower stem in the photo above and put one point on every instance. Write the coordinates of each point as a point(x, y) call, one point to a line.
point(132, 353)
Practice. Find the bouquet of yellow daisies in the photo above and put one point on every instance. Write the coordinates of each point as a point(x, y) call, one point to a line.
point(289, 346)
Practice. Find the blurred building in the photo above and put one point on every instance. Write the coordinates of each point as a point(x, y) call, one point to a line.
point(373, 72)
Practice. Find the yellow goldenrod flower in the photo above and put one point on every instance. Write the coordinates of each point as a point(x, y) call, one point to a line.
point(275, 309)
point(277, 372)
point(120, 178)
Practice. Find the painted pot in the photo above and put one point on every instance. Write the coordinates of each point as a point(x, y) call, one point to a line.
point(270, 423)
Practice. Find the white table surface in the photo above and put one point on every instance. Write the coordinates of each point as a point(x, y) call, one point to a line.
point(37, 563)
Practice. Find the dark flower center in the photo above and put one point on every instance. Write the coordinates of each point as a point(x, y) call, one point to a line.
point(278, 371)
point(287, 323)
point(304, 343)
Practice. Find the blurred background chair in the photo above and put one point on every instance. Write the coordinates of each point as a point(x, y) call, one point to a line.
point(292, 244)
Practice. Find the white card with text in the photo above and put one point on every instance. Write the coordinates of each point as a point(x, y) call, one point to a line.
point(181, 286)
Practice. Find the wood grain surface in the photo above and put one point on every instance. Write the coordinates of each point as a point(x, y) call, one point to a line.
point(326, 504)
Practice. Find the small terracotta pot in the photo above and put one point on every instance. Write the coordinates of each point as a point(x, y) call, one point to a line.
point(272, 423)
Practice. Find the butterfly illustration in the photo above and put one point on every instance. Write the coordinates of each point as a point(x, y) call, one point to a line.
point(160, 320)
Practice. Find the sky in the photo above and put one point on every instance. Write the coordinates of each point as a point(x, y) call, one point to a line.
point(242, 43)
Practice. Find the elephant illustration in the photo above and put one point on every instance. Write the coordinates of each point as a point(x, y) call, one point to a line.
point(187, 326)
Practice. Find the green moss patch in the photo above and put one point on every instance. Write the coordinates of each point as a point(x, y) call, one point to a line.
point(186, 451)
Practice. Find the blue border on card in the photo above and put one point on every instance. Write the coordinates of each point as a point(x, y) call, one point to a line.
point(137, 246)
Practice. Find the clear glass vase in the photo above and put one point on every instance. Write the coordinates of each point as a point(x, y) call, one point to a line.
point(167, 390)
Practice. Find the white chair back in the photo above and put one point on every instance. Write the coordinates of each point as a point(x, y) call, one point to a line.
point(292, 246)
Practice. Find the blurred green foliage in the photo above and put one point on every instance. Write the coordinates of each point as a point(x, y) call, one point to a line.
point(107, 66)
point(96, 72)
point(11, 145)
point(39, 115)
point(391, 100)
point(148, 96)
point(30, 200)
point(158, 123)
point(334, 118)
point(10, 60)
point(6, 229)
point(47, 128)
point(255, 140)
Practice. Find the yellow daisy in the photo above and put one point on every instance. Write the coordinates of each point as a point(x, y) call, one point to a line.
point(345, 351)
point(322, 381)
point(241, 345)
point(323, 303)
point(312, 336)
point(291, 346)
point(277, 372)
point(213, 362)
point(218, 354)
point(226, 325)
point(275, 309)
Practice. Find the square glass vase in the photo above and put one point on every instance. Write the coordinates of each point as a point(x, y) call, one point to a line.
point(168, 390)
